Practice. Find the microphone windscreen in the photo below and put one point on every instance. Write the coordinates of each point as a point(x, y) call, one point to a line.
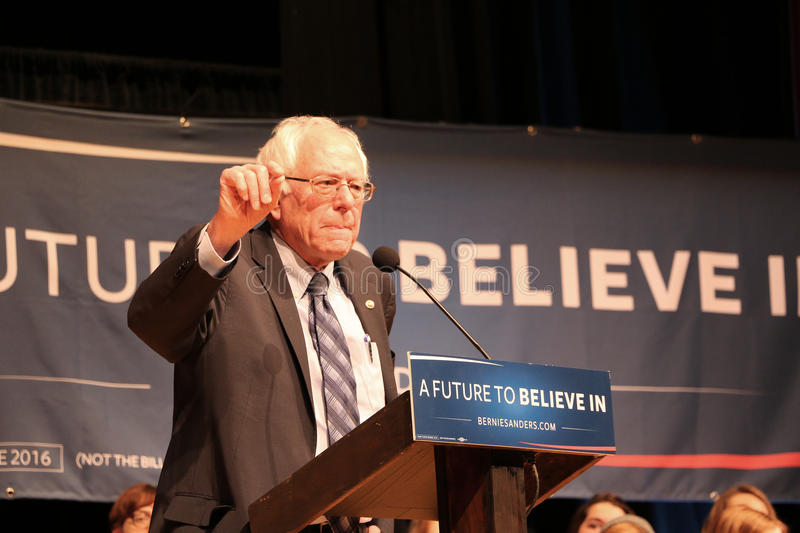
point(386, 259)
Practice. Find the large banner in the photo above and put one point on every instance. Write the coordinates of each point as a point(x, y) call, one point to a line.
point(671, 262)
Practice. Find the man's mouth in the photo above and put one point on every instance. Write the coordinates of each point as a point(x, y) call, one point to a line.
point(339, 227)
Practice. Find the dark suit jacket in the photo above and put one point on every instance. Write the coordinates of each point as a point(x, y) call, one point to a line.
point(243, 419)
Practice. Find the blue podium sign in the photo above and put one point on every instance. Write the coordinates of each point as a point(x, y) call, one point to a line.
point(514, 405)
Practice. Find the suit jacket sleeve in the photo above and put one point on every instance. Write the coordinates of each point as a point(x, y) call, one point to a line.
point(175, 309)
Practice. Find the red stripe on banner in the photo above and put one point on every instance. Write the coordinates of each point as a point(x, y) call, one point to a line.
point(581, 448)
point(708, 460)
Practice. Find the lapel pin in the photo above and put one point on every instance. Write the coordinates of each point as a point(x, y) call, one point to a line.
point(370, 304)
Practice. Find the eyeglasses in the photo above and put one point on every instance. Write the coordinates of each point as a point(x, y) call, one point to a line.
point(327, 186)
point(141, 519)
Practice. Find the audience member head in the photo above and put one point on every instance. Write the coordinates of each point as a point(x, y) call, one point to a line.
point(740, 519)
point(628, 523)
point(739, 496)
point(132, 510)
point(596, 511)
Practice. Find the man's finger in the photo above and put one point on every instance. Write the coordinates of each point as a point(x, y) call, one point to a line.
point(255, 167)
point(276, 187)
point(233, 177)
point(275, 169)
point(262, 177)
point(252, 188)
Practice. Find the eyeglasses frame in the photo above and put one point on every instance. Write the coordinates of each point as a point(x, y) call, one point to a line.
point(369, 187)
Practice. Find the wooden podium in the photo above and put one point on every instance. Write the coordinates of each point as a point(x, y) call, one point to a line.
point(379, 470)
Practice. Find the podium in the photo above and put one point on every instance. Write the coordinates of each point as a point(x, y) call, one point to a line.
point(379, 470)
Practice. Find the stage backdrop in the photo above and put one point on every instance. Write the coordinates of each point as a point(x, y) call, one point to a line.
point(670, 261)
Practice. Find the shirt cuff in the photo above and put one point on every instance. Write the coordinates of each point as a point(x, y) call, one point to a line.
point(209, 259)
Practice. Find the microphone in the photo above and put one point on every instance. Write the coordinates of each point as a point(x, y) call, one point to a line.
point(387, 260)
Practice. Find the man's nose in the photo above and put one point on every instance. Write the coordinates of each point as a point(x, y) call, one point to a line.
point(344, 196)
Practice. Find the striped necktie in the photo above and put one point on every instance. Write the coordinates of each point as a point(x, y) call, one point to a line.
point(338, 381)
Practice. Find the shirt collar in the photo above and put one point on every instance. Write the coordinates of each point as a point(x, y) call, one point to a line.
point(297, 270)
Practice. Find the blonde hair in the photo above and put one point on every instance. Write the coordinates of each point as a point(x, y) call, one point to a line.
point(745, 520)
point(722, 503)
point(627, 524)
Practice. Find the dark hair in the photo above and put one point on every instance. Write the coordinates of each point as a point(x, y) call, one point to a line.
point(712, 520)
point(583, 510)
point(131, 499)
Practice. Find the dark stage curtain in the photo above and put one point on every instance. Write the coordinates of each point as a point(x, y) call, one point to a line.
point(708, 68)
point(138, 85)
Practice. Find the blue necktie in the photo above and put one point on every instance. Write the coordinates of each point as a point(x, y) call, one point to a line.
point(338, 381)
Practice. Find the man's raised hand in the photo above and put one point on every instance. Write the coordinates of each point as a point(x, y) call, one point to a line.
point(247, 193)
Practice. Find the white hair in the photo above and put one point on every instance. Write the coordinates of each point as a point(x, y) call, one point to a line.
point(289, 134)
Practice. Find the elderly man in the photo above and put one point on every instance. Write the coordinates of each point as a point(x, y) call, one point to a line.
point(278, 333)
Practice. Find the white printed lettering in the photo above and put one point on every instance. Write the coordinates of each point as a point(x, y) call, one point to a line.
point(711, 282)
point(437, 261)
point(603, 280)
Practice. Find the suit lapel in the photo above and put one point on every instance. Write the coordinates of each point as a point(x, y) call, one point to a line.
point(274, 280)
point(370, 318)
